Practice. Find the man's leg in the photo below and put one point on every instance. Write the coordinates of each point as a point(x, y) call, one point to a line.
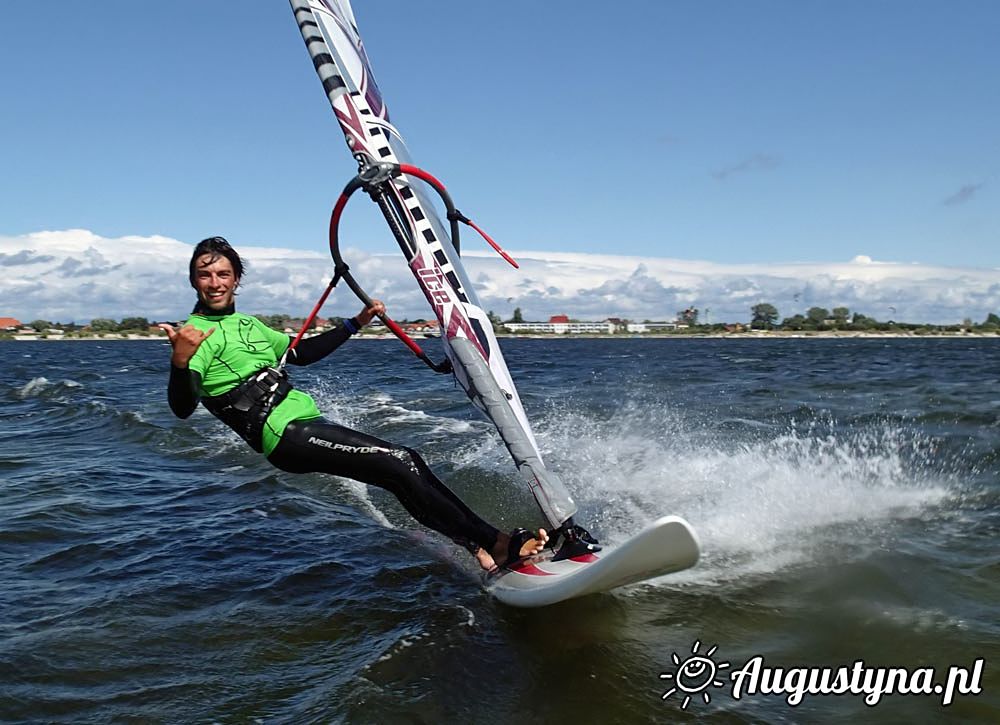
point(317, 446)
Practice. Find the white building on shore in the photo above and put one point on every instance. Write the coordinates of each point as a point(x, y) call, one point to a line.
point(641, 327)
point(561, 325)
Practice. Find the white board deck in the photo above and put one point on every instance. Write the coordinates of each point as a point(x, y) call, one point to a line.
point(667, 545)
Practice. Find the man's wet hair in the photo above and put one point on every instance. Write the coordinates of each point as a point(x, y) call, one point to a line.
point(217, 247)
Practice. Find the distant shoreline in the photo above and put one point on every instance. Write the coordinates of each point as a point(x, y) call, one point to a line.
point(768, 335)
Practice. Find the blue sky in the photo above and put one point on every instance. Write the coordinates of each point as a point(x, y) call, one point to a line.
point(717, 131)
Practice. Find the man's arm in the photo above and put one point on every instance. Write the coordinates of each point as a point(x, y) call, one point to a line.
point(312, 349)
point(182, 390)
point(309, 350)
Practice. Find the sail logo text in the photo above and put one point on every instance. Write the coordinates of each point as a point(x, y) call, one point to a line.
point(434, 286)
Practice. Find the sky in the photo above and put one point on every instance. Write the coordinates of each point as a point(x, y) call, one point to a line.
point(709, 153)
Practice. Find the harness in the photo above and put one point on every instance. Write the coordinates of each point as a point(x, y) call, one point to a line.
point(246, 407)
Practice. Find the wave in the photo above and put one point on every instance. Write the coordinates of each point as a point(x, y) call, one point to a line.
point(56, 416)
point(42, 387)
point(761, 500)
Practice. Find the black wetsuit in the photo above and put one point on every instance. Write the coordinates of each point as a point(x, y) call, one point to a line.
point(295, 438)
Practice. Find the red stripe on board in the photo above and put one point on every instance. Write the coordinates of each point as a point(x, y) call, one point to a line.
point(532, 570)
point(585, 558)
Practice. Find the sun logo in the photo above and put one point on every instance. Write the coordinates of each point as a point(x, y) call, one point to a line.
point(694, 674)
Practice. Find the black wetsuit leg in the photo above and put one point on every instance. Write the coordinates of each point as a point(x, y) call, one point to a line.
point(318, 446)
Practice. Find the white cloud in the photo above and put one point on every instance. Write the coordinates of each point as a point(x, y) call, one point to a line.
point(77, 275)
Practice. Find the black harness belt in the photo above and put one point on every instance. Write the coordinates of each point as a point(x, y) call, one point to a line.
point(245, 408)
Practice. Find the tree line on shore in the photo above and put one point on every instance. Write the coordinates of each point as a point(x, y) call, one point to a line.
point(98, 325)
point(142, 325)
point(764, 316)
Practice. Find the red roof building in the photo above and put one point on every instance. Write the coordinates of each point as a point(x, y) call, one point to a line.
point(556, 319)
point(419, 327)
point(9, 323)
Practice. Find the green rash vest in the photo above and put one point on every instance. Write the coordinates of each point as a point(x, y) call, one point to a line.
point(240, 346)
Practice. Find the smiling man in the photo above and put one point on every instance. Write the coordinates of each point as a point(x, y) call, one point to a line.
point(230, 362)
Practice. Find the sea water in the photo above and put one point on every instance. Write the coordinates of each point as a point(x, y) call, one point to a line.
point(846, 494)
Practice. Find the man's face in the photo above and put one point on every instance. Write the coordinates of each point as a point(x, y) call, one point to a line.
point(215, 281)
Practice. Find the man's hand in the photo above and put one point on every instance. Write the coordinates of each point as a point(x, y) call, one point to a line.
point(366, 315)
point(184, 341)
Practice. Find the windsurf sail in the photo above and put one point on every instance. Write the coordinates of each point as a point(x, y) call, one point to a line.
point(331, 36)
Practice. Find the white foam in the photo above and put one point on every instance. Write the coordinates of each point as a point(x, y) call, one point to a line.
point(362, 492)
point(32, 386)
point(403, 643)
point(380, 408)
point(450, 425)
point(36, 385)
point(470, 619)
point(758, 506)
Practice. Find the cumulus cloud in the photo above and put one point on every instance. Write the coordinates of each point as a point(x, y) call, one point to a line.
point(77, 275)
point(757, 162)
point(966, 193)
point(24, 256)
point(652, 288)
point(93, 263)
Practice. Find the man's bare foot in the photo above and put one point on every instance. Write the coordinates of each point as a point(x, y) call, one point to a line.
point(501, 554)
point(484, 559)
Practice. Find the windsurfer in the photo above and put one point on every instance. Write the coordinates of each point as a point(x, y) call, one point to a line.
point(230, 362)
